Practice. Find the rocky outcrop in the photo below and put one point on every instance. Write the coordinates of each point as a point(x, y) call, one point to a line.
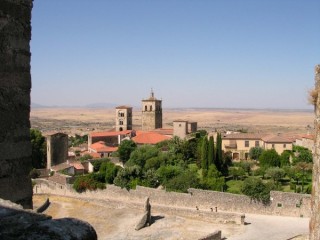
point(315, 199)
point(17, 223)
point(15, 85)
point(146, 217)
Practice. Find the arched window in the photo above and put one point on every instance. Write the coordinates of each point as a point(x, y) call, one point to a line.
point(145, 108)
point(150, 108)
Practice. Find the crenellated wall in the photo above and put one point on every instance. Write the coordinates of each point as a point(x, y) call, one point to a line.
point(15, 86)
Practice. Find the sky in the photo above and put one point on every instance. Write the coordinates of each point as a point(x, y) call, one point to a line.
point(192, 53)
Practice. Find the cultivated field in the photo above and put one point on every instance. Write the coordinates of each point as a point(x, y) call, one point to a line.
point(84, 120)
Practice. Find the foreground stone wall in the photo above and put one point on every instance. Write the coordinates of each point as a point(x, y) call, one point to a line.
point(315, 204)
point(15, 85)
point(284, 204)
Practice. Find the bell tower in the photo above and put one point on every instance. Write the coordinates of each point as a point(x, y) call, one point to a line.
point(123, 118)
point(151, 113)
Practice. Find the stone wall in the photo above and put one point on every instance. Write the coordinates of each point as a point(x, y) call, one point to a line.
point(315, 204)
point(284, 204)
point(15, 86)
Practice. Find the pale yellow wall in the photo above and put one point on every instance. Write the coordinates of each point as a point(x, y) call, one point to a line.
point(279, 147)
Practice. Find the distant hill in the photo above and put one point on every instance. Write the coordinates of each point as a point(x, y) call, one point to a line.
point(92, 105)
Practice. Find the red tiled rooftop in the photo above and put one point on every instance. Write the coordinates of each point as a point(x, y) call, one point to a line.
point(243, 136)
point(77, 165)
point(101, 147)
point(276, 139)
point(149, 138)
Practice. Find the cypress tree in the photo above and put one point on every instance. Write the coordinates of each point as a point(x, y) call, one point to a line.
point(218, 158)
point(210, 151)
point(204, 154)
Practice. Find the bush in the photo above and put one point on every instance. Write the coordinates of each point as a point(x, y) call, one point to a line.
point(87, 182)
point(256, 190)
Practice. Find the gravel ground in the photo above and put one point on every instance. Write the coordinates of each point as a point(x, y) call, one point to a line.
point(116, 221)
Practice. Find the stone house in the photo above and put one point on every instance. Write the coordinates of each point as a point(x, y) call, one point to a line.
point(181, 128)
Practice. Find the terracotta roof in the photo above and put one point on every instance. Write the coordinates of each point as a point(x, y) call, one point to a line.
point(163, 131)
point(77, 165)
point(100, 147)
point(123, 107)
point(149, 138)
point(308, 136)
point(243, 136)
point(276, 139)
point(95, 155)
point(109, 133)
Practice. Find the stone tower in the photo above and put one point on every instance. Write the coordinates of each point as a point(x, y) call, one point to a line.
point(57, 149)
point(314, 225)
point(123, 118)
point(15, 86)
point(151, 113)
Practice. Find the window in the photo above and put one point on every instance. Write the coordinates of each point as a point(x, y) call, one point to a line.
point(257, 144)
point(121, 122)
point(272, 146)
point(284, 145)
point(246, 143)
point(150, 108)
point(279, 205)
point(145, 108)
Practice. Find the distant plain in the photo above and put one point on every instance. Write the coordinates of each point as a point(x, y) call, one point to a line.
point(84, 120)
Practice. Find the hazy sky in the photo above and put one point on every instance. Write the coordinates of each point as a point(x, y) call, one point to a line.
point(193, 53)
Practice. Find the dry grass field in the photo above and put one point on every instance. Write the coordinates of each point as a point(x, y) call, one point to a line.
point(84, 120)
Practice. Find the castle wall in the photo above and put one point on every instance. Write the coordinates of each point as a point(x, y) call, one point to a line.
point(292, 204)
point(15, 85)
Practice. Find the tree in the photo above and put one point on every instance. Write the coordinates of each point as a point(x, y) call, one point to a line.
point(213, 181)
point(246, 166)
point(236, 172)
point(125, 149)
point(88, 182)
point(211, 151)
point(39, 149)
point(276, 174)
point(128, 177)
point(269, 158)
point(302, 155)
point(182, 182)
point(141, 155)
point(204, 155)
point(303, 169)
point(109, 170)
point(285, 158)
point(218, 158)
point(255, 152)
point(256, 190)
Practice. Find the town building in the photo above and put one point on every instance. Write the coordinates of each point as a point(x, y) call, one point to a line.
point(239, 144)
point(123, 118)
point(181, 128)
point(151, 113)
